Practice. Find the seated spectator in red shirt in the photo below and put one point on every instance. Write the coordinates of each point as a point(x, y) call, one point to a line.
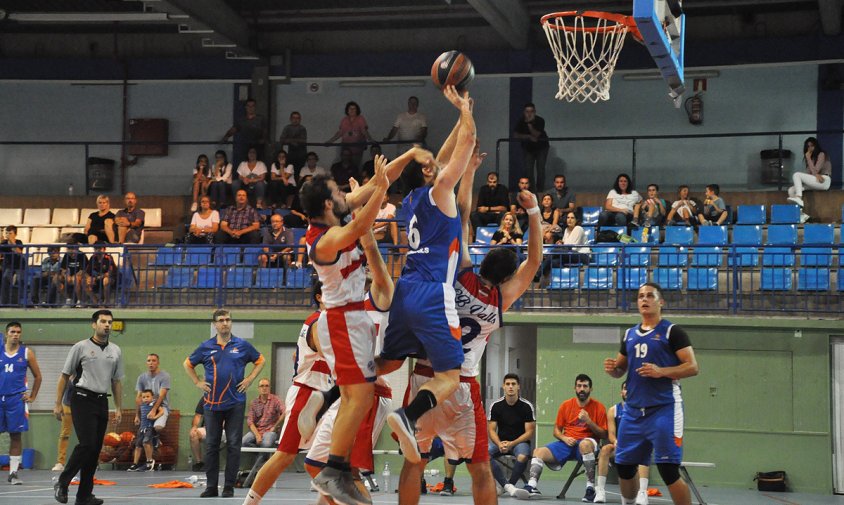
point(240, 224)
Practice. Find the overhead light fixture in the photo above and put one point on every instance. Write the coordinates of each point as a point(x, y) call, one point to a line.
point(207, 42)
point(383, 83)
point(654, 75)
point(88, 17)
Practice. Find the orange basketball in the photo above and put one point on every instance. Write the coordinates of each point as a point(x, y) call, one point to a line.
point(111, 439)
point(127, 437)
point(107, 454)
point(452, 68)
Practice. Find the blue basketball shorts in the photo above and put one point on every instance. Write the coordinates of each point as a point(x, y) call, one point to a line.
point(14, 414)
point(656, 428)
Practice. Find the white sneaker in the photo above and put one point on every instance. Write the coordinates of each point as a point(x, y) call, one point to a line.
point(642, 497)
point(58, 467)
point(600, 496)
point(804, 217)
point(193, 207)
point(510, 489)
point(796, 199)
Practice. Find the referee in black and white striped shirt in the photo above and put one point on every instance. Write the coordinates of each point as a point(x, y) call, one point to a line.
point(98, 365)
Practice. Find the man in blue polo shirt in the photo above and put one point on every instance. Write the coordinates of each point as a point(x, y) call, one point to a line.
point(224, 358)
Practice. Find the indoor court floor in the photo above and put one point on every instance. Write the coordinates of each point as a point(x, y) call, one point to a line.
point(292, 488)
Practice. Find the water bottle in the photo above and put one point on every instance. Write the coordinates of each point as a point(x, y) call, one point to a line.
point(386, 477)
point(70, 190)
point(645, 235)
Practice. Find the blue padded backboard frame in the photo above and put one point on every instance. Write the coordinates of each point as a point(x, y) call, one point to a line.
point(667, 56)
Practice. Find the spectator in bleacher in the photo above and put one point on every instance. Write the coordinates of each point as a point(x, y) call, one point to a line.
point(310, 168)
point(345, 169)
point(12, 262)
point(515, 207)
point(353, 133)
point(563, 196)
point(204, 224)
point(618, 208)
point(683, 210)
point(279, 242)
point(531, 129)
point(100, 224)
point(100, 275)
point(221, 180)
point(509, 232)
point(410, 127)
point(551, 230)
point(252, 128)
point(652, 210)
point(714, 209)
point(367, 170)
point(295, 137)
point(50, 277)
point(817, 174)
point(297, 217)
point(493, 202)
point(282, 185)
point(201, 180)
point(386, 233)
point(252, 177)
point(264, 419)
point(574, 236)
point(240, 223)
point(130, 221)
point(74, 264)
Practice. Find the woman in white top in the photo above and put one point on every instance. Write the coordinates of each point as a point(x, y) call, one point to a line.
point(574, 236)
point(204, 223)
point(311, 168)
point(618, 208)
point(282, 184)
point(684, 210)
point(817, 174)
point(220, 176)
point(252, 177)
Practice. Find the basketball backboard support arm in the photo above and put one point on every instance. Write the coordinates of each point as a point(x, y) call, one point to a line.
point(663, 33)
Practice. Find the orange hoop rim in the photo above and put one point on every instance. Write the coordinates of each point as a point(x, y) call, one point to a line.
point(619, 19)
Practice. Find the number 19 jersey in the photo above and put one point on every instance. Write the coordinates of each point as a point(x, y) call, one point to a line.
point(658, 346)
point(434, 240)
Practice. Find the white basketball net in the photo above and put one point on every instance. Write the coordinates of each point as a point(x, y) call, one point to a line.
point(586, 55)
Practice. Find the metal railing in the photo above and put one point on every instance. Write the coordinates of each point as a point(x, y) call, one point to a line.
point(729, 279)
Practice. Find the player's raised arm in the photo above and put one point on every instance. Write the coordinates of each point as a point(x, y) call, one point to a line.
point(464, 202)
point(444, 154)
point(513, 288)
point(447, 179)
point(382, 284)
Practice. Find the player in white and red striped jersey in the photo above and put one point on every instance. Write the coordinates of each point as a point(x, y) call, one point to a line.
point(311, 373)
point(481, 300)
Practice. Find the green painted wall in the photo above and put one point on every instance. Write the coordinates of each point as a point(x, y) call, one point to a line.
point(761, 401)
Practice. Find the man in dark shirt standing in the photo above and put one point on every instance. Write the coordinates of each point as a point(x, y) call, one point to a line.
point(295, 137)
point(531, 129)
point(253, 133)
point(512, 421)
point(493, 202)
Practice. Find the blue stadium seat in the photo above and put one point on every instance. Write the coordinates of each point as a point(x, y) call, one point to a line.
point(712, 235)
point(168, 256)
point(298, 233)
point(282, 212)
point(239, 277)
point(268, 278)
point(483, 235)
point(589, 233)
point(631, 278)
point(227, 255)
point(785, 213)
point(564, 278)
point(598, 278)
point(679, 235)
point(198, 255)
point(250, 256)
point(209, 277)
point(670, 279)
point(653, 234)
point(703, 279)
point(707, 257)
point(751, 214)
point(776, 279)
point(590, 216)
point(747, 238)
point(780, 235)
point(671, 256)
point(178, 277)
point(604, 256)
point(615, 229)
point(477, 254)
point(813, 279)
point(298, 278)
point(817, 245)
point(639, 256)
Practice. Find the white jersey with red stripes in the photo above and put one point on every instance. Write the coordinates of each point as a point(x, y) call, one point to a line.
point(343, 279)
point(380, 318)
point(310, 369)
point(479, 308)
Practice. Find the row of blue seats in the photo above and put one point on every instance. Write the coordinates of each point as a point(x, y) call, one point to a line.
point(179, 277)
point(745, 214)
point(696, 278)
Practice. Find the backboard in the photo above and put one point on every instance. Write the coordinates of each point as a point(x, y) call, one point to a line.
point(662, 25)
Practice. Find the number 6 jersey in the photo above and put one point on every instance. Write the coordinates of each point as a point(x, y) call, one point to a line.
point(658, 346)
point(434, 240)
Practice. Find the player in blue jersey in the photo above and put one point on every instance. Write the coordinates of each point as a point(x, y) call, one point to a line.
point(655, 355)
point(14, 412)
point(423, 317)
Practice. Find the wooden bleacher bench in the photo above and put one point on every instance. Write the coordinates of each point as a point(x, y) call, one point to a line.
point(166, 455)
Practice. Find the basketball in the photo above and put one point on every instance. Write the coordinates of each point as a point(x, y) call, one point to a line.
point(111, 439)
point(108, 454)
point(452, 68)
point(127, 437)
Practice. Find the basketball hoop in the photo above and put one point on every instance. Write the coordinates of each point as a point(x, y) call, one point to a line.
point(586, 45)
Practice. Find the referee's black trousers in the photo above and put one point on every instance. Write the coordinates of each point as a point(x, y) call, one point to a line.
point(90, 420)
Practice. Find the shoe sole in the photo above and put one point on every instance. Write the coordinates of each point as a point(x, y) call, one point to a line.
point(307, 417)
point(325, 493)
point(521, 494)
point(56, 495)
point(407, 440)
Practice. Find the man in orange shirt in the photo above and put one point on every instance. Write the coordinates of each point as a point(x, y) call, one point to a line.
point(581, 423)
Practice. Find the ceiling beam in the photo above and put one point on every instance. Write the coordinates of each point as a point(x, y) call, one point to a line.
point(508, 17)
point(830, 13)
point(215, 15)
